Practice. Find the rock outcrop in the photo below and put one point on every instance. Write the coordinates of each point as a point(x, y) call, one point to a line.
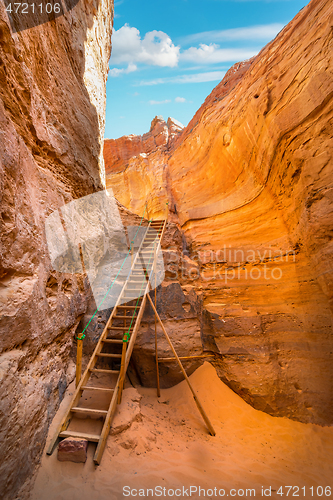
point(118, 152)
point(135, 167)
point(72, 450)
point(52, 111)
point(249, 182)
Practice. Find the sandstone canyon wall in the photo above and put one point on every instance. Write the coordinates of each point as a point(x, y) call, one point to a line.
point(52, 111)
point(249, 184)
point(135, 167)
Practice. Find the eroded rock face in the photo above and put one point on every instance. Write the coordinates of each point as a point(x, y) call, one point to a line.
point(52, 104)
point(135, 166)
point(249, 181)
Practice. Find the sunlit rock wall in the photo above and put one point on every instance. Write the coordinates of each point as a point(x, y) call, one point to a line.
point(52, 105)
point(249, 181)
point(136, 170)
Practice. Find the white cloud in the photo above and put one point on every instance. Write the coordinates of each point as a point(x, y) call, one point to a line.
point(260, 32)
point(180, 99)
point(212, 54)
point(152, 103)
point(114, 72)
point(209, 76)
point(156, 48)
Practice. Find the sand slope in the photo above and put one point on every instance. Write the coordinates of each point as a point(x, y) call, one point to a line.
point(167, 445)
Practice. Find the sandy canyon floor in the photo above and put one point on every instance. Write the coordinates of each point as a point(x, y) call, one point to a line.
point(164, 443)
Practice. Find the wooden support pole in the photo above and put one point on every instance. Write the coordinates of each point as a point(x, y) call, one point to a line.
point(156, 353)
point(79, 346)
point(200, 408)
point(122, 373)
point(78, 360)
point(122, 367)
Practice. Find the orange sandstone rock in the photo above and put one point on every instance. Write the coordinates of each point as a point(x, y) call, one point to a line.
point(250, 183)
point(135, 166)
point(72, 450)
point(52, 109)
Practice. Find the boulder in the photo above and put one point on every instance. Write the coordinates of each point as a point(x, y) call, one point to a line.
point(73, 450)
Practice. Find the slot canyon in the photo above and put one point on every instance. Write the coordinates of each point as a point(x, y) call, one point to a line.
point(247, 191)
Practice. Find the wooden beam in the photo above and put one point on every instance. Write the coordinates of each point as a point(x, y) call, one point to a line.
point(122, 372)
point(200, 408)
point(156, 353)
point(82, 435)
point(79, 348)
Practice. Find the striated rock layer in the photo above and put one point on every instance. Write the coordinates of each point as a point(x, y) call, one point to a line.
point(249, 183)
point(135, 167)
point(52, 106)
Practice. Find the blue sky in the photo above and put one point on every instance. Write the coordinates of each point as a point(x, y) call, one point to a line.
point(168, 56)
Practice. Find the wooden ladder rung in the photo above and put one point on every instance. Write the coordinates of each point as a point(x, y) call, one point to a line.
point(127, 307)
point(92, 388)
point(100, 413)
point(113, 341)
point(136, 298)
point(103, 370)
point(122, 328)
point(122, 317)
point(108, 355)
point(89, 437)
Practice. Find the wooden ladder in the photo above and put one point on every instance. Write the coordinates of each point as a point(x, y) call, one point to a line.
point(119, 335)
